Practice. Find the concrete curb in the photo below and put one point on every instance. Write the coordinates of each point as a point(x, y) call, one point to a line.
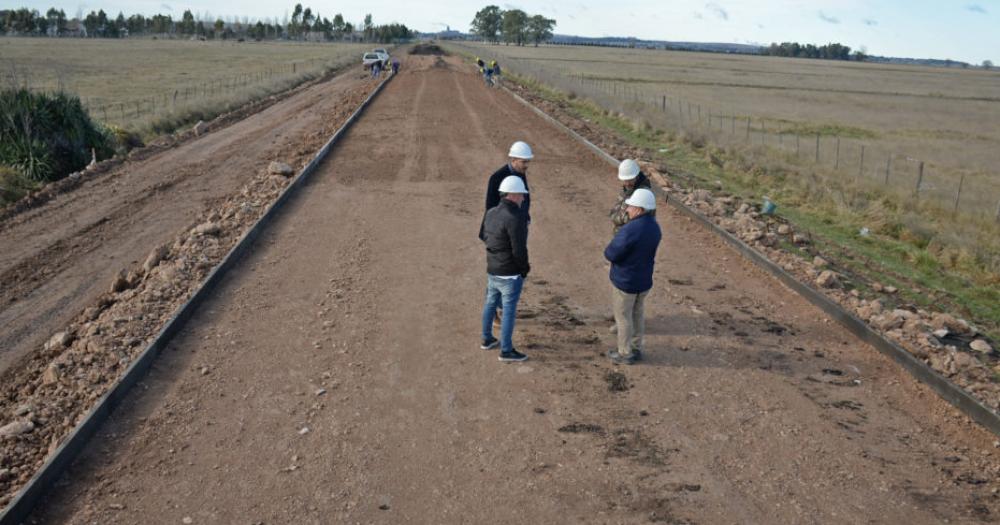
point(949, 391)
point(21, 506)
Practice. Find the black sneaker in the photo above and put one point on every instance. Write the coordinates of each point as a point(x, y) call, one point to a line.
point(512, 356)
point(637, 355)
point(489, 344)
point(619, 359)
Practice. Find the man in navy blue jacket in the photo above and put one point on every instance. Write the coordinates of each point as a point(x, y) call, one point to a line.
point(632, 253)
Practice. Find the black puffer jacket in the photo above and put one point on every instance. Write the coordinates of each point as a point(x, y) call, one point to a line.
point(493, 192)
point(505, 232)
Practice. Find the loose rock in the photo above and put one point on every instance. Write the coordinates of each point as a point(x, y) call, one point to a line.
point(206, 228)
point(16, 428)
point(280, 168)
point(980, 345)
point(827, 279)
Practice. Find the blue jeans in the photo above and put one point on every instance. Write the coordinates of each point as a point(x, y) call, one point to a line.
point(505, 292)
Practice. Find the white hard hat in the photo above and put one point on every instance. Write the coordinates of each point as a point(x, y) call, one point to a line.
point(520, 150)
point(512, 184)
point(628, 170)
point(642, 198)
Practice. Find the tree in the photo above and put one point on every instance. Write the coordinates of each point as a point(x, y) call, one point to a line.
point(987, 64)
point(338, 26)
point(187, 26)
point(514, 26)
point(368, 27)
point(307, 19)
point(219, 26)
point(540, 29)
point(487, 23)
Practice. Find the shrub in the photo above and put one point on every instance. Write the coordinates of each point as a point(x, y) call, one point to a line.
point(45, 137)
point(13, 185)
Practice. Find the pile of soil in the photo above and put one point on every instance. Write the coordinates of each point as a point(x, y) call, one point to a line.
point(428, 49)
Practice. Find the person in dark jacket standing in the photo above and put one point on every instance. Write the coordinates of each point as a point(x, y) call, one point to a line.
point(632, 178)
point(505, 232)
point(518, 159)
point(632, 253)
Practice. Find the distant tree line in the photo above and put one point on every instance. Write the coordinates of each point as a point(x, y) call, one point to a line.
point(513, 26)
point(827, 52)
point(303, 25)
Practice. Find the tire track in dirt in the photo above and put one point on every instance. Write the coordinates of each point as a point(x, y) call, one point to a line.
point(345, 383)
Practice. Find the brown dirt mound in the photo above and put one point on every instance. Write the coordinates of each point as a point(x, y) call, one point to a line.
point(428, 49)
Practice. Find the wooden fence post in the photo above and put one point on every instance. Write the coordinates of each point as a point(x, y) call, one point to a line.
point(920, 180)
point(817, 148)
point(836, 163)
point(748, 129)
point(888, 166)
point(861, 165)
point(958, 194)
point(663, 104)
point(734, 125)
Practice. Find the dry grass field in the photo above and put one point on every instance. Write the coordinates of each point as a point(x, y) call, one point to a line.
point(943, 117)
point(145, 83)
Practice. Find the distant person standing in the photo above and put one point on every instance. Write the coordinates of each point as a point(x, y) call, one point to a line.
point(395, 66)
point(632, 253)
point(505, 233)
point(496, 72)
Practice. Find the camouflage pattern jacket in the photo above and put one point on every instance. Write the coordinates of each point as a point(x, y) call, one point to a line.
point(617, 214)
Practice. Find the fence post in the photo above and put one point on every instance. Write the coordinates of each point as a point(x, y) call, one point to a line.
point(888, 166)
point(836, 163)
point(920, 180)
point(763, 132)
point(861, 165)
point(958, 194)
point(734, 124)
point(817, 148)
point(748, 129)
point(663, 104)
point(797, 137)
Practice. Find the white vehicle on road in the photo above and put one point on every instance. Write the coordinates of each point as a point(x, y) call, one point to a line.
point(381, 52)
point(370, 58)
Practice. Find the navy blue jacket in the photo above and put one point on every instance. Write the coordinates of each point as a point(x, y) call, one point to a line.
point(632, 253)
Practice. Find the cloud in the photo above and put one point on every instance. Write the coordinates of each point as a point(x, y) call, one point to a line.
point(828, 19)
point(870, 22)
point(717, 10)
point(976, 8)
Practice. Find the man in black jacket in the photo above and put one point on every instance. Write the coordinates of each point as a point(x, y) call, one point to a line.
point(505, 232)
point(519, 157)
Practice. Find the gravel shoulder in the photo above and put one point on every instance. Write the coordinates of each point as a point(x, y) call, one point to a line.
point(335, 375)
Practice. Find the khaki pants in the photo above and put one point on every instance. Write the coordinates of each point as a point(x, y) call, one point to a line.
point(629, 319)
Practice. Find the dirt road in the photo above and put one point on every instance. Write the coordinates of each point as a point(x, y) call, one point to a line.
point(335, 376)
point(55, 259)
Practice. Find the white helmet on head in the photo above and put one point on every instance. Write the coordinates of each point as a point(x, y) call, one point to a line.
point(628, 169)
point(520, 150)
point(512, 184)
point(642, 198)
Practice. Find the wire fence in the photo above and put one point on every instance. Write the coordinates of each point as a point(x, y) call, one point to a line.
point(849, 161)
point(170, 99)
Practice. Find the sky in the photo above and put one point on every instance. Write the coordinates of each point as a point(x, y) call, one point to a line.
point(959, 30)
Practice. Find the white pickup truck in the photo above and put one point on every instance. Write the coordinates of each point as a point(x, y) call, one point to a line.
point(371, 58)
